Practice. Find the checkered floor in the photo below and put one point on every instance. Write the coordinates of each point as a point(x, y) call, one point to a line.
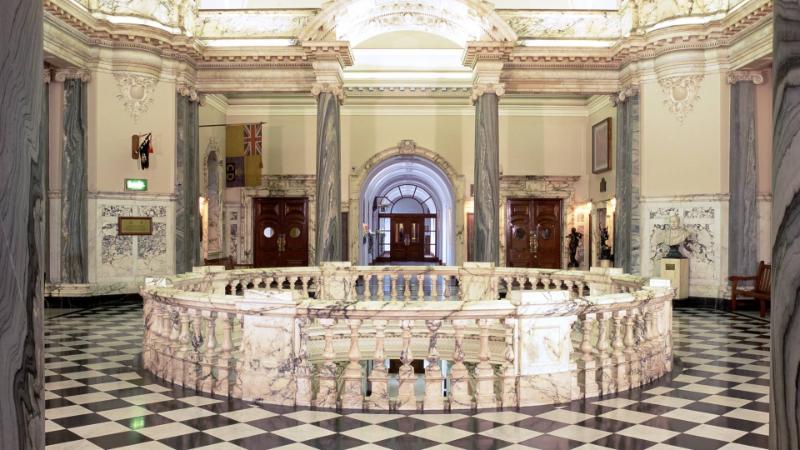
point(95, 399)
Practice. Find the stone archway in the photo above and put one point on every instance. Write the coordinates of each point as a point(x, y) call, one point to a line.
point(406, 149)
point(214, 187)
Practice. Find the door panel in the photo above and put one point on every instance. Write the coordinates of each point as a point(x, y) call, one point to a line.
point(407, 240)
point(280, 232)
point(533, 233)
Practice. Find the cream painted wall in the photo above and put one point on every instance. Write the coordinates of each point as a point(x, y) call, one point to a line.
point(689, 157)
point(764, 136)
point(607, 110)
point(109, 150)
point(529, 145)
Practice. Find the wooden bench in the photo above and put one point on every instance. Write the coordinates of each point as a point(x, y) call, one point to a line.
point(760, 291)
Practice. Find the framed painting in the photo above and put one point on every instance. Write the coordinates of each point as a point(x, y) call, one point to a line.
point(134, 226)
point(601, 146)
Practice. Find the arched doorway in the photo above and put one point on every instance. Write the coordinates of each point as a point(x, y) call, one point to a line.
point(407, 208)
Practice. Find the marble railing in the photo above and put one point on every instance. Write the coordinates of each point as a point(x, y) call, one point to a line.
point(488, 337)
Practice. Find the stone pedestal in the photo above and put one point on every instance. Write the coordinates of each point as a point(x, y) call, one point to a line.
point(434, 400)
point(677, 272)
point(406, 398)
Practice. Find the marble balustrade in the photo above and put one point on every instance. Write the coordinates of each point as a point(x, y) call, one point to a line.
point(490, 337)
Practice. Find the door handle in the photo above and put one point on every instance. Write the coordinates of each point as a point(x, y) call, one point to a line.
point(281, 243)
point(533, 242)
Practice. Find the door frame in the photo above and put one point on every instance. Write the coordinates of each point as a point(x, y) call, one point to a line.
point(385, 260)
point(506, 221)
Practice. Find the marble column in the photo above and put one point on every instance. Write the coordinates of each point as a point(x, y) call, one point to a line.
point(74, 179)
point(187, 155)
point(743, 210)
point(487, 175)
point(21, 230)
point(329, 169)
point(784, 424)
point(627, 237)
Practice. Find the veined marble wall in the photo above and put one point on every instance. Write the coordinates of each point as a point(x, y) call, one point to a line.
point(234, 241)
point(703, 216)
point(119, 264)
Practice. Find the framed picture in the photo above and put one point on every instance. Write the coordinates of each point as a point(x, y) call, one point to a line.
point(134, 226)
point(601, 146)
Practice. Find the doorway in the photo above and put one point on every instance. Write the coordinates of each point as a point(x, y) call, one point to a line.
point(533, 234)
point(280, 232)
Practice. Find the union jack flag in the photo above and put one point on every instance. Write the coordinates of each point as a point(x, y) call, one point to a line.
point(252, 139)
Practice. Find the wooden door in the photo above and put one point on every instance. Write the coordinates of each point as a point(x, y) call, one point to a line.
point(533, 233)
point(407, 242)
point(280, 232)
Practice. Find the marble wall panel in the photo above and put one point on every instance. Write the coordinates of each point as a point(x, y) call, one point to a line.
point(707, 250)
point(22, 227)
point(233, 237)
point(764, 206)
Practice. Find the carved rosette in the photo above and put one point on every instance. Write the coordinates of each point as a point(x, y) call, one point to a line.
point(681, 92)
point(135, 92)
point(63, 75)
point(334, 88)
point(491, 88)
point(753, 76)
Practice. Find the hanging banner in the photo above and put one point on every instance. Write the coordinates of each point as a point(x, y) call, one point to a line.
point(243, 149)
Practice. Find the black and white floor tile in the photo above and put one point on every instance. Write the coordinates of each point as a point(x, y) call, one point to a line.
point(95, 398)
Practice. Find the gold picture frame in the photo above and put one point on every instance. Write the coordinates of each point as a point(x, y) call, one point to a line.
point(601, 146)
point(134, 226)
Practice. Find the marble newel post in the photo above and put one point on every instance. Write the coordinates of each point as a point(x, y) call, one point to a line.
point(743, 212)
point(74, 179)
point(21, 230)
point(187, 190)
point(487, 173)
point(784, 429)
point(329, 170)
point(627, 237)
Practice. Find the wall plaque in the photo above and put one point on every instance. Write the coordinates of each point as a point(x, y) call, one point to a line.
point(135, 226)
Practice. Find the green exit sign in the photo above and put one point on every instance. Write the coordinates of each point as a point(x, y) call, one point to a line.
point(135, 184)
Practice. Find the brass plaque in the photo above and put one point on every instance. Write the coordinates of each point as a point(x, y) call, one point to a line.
point(669, 266)
point(134, 226)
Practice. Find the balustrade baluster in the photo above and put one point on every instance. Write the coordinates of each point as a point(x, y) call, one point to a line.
point(380, 294)
point(302, 370)
point(406, 398)
point(632, 346)
point(605, 360)
point(434, 399)
point(394, 281)
point(352, 398)
point(650, 366)
point(484, 374)
point(379, 377)
point(326, 395)
point(618, 354)
point(509, 389)
point(406, 287)
point(460, 397)
point(588, 360)
point(420, 287)
point(447, 287)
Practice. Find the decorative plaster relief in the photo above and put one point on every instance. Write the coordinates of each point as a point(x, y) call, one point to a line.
point(681, 92)
point(563, 24)
point(252, 23)
point(136, 92)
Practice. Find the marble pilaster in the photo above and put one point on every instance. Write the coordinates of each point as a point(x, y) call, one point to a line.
point(627, 236)
point(784, 424)
point(187, 215)
point(329, 185)
point(487, 176)
point(743, 209)
point(74, 179)
point(21, 230)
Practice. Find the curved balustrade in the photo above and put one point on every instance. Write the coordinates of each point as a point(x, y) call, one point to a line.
point(489, 337)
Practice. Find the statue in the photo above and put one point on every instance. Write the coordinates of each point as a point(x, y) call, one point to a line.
point(675, 237)
point(605, 249)
point(574, 240)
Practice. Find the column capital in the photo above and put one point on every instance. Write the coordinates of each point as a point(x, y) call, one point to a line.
point(187, 90)
point(624, 93)
point(753, 76)
point(487, 88)
point(47, 75)
point(62, 75)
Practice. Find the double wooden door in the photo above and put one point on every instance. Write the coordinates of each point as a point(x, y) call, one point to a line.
point(533, 233)
point(407, 242)
point(280, 232)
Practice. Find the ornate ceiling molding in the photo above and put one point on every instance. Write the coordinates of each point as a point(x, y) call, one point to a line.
point(681, 92)
point(407, 91)
point(135, 92)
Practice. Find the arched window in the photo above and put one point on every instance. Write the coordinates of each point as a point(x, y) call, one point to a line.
point(406, 199)
point(406, 220)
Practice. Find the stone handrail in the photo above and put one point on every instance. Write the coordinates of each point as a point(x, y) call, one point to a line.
point(490, 337)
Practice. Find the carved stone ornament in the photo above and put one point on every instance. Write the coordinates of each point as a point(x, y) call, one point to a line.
point(333, 88)
point(624, 94)
point(754, 76)
point(72, 74)
point(480, 89)
point(681, 92)
point(136, 92)
point(407, 146)
point(187, 90)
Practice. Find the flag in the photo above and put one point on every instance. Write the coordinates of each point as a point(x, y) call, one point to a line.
point(243, 152)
